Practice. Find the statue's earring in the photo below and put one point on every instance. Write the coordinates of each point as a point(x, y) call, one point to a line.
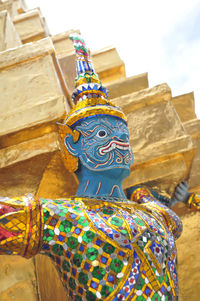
point(70, 160)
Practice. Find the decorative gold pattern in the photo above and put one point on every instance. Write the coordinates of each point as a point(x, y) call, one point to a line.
point(194, 201)
point(25, 225)
point(70, 162)
point(93, 111)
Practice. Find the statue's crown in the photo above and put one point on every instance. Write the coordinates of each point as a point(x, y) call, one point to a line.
point(90, 96)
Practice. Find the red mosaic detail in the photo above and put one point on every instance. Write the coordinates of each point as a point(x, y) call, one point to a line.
point(5, 234)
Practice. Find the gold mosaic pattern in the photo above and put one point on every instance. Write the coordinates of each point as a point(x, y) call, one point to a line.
point(70, 162)
point(22, 226)
point(168, 216)
point(90, 111)
point(194, 201)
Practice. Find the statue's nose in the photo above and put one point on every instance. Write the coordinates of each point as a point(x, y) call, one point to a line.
point(123, 136)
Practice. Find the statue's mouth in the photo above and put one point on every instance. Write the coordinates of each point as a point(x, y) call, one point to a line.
point(113, 145)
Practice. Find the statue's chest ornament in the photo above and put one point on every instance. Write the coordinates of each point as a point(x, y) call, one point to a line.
point(122, 221)
point(136, 232)
point(112, 246)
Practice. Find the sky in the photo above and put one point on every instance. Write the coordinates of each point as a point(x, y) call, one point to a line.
point(161, 37)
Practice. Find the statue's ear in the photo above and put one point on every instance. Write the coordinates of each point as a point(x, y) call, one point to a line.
point(71, 145)
point(69, 139)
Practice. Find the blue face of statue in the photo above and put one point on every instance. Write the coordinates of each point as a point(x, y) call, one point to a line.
point(103, 144)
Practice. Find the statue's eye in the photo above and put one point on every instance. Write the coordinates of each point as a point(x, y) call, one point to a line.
point(102, 134)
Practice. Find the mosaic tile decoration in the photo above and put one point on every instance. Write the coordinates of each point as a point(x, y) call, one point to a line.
point(104, 250)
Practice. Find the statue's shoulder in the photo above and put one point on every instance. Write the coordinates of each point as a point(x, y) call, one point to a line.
point(61, 206)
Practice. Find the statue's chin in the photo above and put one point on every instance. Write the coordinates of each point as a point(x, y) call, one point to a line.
point(114, 171)
point(118, 172)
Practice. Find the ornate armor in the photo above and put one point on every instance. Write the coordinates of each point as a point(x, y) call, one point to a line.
point(108, 249)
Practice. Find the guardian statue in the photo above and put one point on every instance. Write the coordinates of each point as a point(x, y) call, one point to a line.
point(105, 246)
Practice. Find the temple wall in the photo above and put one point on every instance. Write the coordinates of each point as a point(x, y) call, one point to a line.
point(37, 80)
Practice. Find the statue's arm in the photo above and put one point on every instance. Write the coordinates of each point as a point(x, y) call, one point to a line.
point(147, 200)
point(21, 226)
point(161, 198)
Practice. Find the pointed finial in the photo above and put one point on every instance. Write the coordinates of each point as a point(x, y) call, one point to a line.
point(86, 76)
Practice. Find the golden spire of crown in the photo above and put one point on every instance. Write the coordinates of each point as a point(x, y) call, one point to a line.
point(89, 96)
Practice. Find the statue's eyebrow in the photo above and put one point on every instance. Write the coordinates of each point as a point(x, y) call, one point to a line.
point(89, 127)
point(86, 126)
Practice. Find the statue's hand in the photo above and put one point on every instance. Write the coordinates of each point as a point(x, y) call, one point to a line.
point(181, 194)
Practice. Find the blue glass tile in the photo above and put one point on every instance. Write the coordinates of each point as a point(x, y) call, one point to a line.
point(81, 248)
point(104, 259)
point(77, 231)
point(110, 278)
point(98, 242)
point(87, 266)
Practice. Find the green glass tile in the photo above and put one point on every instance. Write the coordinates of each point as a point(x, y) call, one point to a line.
point(58, 249)
point(124, 232)
point(48, 235)
point(92, 254)
point(65, 210)
point(116, 221)
point(77, 209)
point(88, 236)
point(65, 226)
point(139, 221)
point(108, 248)
point(58, 202)
point(140, 283)
point(98, 273)
point(46, 215)
point(156, 297)
point(108, 211)
point(72, 242)
point(82, 221)
point(160, 278)
point(106, 290)
point(116, 265)
point(83, 278)
point(66, 265)
point(61, 213)
point(77, 259)
point(167, 280)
